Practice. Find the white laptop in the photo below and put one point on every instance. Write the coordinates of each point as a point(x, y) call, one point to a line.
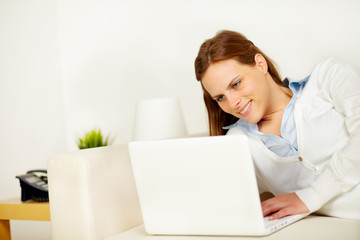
point(200, 186)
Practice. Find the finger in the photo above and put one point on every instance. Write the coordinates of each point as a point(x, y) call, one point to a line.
point(280, 214)
point(274, 204)
point(265, 209)
point(271, 205)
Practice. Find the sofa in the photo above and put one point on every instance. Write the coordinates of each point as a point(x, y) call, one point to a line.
point(93, 196)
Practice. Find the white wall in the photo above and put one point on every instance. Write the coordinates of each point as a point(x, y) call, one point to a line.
point(115, 53)
point(69, 65)
point(31, 106)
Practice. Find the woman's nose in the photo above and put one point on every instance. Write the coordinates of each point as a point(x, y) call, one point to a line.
point(235, 101)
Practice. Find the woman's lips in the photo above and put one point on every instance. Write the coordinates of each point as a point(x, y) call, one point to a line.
point(245, 110)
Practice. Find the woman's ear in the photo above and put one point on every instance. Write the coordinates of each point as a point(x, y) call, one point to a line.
point(260, 62)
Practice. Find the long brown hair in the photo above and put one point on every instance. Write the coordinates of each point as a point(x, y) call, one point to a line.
point(225, 45)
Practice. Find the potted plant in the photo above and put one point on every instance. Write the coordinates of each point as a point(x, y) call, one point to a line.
point(92, 139)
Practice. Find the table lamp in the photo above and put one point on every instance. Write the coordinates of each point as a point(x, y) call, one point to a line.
point(158, 118)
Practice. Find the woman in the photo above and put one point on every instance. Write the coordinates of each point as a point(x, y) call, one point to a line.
point(304, 134)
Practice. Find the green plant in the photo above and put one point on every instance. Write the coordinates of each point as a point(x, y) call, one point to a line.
point(92, 139)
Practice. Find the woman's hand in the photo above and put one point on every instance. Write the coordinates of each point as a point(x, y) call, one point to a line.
point(283, 205)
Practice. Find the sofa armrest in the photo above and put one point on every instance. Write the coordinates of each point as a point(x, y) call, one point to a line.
point(92, 193)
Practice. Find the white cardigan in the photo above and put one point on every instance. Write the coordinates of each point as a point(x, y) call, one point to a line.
point(326, 174)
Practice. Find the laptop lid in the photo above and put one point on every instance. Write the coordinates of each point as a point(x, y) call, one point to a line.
point(197, 186)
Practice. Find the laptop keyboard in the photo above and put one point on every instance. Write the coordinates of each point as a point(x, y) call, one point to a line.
point(274, 225)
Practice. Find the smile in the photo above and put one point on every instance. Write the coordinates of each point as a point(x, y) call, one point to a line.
point(244, 112)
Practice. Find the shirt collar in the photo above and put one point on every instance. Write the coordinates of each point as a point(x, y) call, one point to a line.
point(297, 85)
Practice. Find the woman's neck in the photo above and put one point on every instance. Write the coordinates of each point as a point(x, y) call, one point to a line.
point(271, 121)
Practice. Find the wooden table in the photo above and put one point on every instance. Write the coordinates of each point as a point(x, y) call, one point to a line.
point(14, 209)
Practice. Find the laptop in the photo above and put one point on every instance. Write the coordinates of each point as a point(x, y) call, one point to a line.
point(200, 186)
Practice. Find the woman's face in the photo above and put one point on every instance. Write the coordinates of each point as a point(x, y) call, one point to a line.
point(241, 90)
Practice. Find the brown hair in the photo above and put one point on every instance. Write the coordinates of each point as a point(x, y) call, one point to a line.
point(225, 45)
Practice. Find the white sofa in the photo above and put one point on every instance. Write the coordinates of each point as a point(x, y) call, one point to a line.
point(93, 196)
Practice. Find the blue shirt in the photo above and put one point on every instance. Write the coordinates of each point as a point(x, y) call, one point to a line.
point(286, 145)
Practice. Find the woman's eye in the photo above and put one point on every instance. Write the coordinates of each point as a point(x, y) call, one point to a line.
point(219, 99)
point(236, 84)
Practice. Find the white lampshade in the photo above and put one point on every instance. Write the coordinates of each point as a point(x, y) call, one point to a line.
point(159, 118)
